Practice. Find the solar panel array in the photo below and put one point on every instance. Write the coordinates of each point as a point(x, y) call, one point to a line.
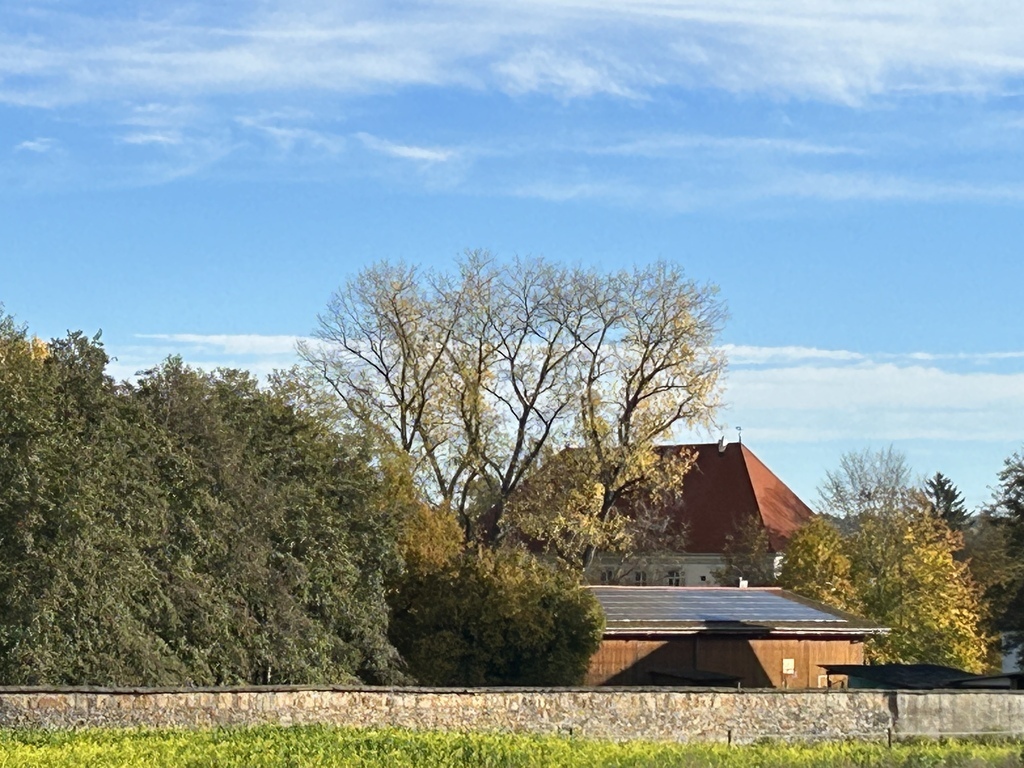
point(667, 604)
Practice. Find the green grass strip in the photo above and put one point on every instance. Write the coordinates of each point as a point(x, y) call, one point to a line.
point(299, 747)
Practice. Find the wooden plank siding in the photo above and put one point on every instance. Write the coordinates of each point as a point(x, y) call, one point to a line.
point(757, 661)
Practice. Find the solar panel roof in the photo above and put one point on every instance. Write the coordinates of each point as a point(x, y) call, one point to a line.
point(655, 605)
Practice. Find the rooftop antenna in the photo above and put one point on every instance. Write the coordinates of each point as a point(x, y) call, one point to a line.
point(739, 435)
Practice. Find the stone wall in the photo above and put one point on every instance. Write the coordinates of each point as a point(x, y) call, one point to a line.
point(657, 714)
point(952, 713)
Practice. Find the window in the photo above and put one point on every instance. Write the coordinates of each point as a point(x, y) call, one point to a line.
point(641, 578)
point(672, 578)
point(607, 576)
point(703, 578)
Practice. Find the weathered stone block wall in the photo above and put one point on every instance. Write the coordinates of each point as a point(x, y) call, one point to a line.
point(658, 714)
point(951, 713)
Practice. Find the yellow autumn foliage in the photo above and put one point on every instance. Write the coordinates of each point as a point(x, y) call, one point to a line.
point(898, 569)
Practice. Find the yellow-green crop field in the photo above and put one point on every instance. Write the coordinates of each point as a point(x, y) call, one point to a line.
point(298, 747)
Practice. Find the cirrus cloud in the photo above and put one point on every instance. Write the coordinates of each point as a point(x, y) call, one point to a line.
point(827, 49)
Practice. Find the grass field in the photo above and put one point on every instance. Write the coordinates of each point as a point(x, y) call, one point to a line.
point(321, 746)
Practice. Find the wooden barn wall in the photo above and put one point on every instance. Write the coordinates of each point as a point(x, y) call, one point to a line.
point(757, 661)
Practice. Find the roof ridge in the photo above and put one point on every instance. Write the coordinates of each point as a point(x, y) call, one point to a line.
point(744, 451)
point(766, 477)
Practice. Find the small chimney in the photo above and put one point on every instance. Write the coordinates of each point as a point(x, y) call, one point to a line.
point(721, 444)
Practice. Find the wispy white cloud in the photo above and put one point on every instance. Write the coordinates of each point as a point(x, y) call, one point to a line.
point(40, 146)
point(567, 76)
point(662, 145)
point(739, 354)
point(878, 385)
point(260, 354)
point(161, 138)
point(565, 191)
point(193, 83)
point(191, 157)
point(406, 151)
point(735, 186)
point(231, 344)
point(840, 187)
point(826, 49)
point(799, 394)
point(161, 116)
point(976, 357)
point(289, 137)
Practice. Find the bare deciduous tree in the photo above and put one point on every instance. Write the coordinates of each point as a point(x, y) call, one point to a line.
point(484, 375)
point(875, 482)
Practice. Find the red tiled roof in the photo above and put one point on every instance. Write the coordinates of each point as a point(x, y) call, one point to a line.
point(724, 488)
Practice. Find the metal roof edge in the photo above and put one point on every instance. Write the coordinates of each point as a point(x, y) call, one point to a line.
point(749, 629)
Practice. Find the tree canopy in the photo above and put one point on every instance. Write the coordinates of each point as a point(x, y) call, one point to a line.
point(818, 565)
point(199, 528)
point(878, 482)
point(483, 374)
point(947, 502)
point(894, 561)
point(189, 527)
point(488, 617)
point(907, 578)
point(1000, 537)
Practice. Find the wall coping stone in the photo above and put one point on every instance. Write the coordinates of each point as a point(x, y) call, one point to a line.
point(604, 689)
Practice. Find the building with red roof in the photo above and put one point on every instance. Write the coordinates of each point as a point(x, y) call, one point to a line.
point(726, 489)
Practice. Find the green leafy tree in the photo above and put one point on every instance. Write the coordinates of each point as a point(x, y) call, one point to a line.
point(199, 528)
point(483, 617)
point(495, 618)
point(281, 534)
point(997, 570)
point(79, 599)
point(190, 528)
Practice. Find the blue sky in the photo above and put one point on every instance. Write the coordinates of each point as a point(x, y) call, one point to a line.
point(198, 178)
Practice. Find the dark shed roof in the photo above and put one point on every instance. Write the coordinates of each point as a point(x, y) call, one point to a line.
point(687, 610)
point(908, 676)
point(922, 676)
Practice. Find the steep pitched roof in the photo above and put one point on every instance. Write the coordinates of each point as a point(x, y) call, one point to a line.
point(724, 488)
